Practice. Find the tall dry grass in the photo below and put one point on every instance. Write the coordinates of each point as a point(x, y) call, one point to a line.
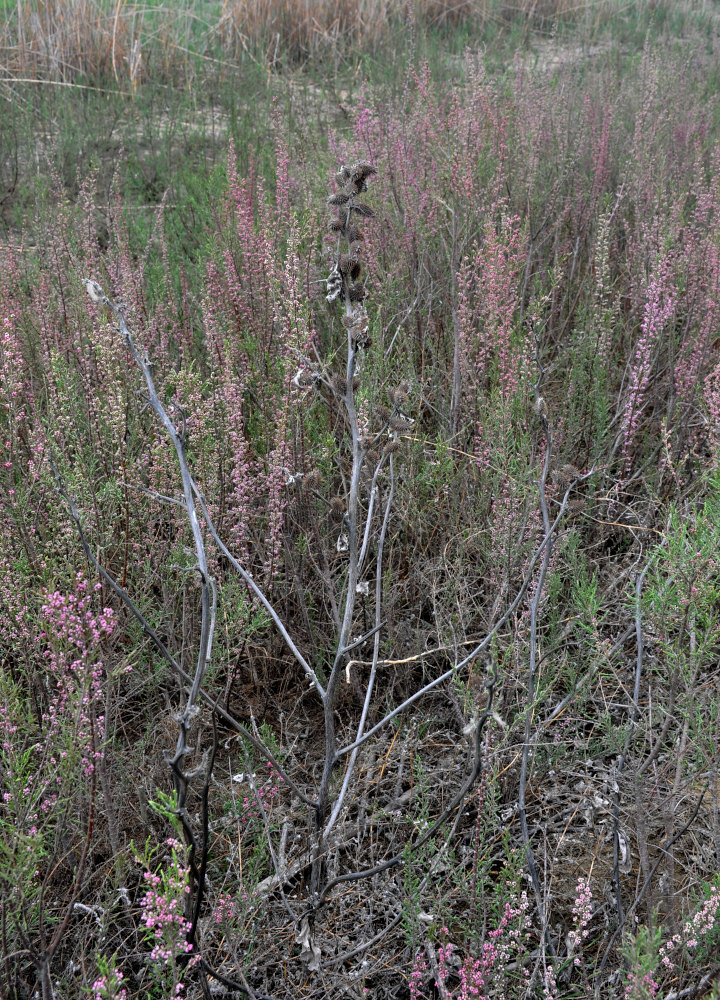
point(100, 40)
point(67, 39)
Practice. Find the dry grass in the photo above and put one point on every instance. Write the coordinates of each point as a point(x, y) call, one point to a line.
point(94, 40)
point(65, 39)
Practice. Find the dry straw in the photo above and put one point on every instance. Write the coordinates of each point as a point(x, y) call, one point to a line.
point(95, 41)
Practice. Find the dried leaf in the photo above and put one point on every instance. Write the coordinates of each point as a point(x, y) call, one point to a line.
point(309, 951)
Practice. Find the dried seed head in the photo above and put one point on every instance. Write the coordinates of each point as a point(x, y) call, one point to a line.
point(354, 234)
point(341, 198)
point(382, 413)
point(399, 395)
point(336, 226)
point(392, 446)
point(373, 457)
point(359, 334)
point(339, 384)
point(312, 480)
point(361, 170)
point(337, 508)
point(356, 292)
point(361, 208)
point(342, 176)
point(356, 382)
point(400, 423)
point(348, 265)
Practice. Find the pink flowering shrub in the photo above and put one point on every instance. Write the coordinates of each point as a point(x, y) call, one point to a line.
point(581, 914)
point(510, 944)
point(75, 635)
point(109, 984)
point(486, 976)
point(46, 759)
point(659, 310)
point(699, 936)
point(163, 909)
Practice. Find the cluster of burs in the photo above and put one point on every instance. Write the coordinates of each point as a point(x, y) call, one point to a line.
point(346, 269)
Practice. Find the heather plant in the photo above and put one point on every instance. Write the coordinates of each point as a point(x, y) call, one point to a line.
point(698, 936)
point(45, 758)
point(489, 974)
point(642, 958)
point(163, 908)
point(109, 984)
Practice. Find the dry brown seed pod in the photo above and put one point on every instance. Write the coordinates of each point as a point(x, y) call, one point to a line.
point(342, 176)
point(339, 384)
point(312, 480)
point(360, 207)
point(391, 447)
point(359, 335)
point(347, 265)
point(382, 413)
point(354, 233)
point(337, 508)
point(356, 293)
point(341, 198)
point(400, 423)
point(356, 382)
point(361, 170)
point(373, 457)
point(336, 226)
point(565, 475)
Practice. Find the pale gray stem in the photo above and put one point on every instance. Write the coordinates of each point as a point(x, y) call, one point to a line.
point(376, 652)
